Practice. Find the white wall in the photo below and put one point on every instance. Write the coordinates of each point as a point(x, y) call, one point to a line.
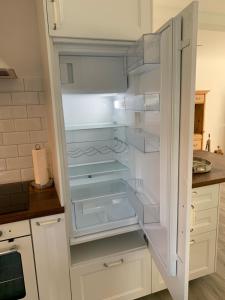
point(211, 76)
point(22, 101)
point(19, 45)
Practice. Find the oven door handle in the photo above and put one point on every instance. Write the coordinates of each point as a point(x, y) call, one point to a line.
point(11, 250)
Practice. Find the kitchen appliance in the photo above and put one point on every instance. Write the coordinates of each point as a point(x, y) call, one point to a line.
point(14, 197)
point(124, 127)
point(17, 270)
point(6, 72)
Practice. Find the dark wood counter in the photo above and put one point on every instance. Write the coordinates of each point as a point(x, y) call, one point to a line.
point(42, 203)
point(216, 175)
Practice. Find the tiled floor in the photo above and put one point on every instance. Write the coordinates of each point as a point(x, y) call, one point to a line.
point(210, 287)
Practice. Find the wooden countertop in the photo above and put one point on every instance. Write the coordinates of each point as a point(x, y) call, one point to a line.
point(216, 175)
point(42, 203)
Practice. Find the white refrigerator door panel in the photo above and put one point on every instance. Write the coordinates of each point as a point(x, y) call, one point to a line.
point(169, 239)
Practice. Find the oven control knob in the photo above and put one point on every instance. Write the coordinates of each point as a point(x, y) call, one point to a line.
point(1, 233)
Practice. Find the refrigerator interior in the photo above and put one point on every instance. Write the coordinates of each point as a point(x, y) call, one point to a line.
point(113, 141)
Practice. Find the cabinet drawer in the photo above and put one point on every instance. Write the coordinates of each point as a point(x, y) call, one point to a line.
point(119, 277)
point(203, 220)
point(202, 254)
point(205, 197)
point(13, 230)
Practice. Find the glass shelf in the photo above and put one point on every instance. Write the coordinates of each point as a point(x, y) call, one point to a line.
point(98, 190)
point(90, 170)
point(93, 126)
point(142, 140)
point(145, 102)
point(144, 55)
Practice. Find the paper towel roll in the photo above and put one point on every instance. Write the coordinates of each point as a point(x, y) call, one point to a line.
point(40, 166)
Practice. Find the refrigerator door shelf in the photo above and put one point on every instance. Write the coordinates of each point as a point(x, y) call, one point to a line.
point(142, 140)
point(144, 55)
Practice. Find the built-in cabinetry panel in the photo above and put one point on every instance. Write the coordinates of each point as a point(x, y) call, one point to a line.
point(116, 268)
point(202, 254)
point(51, 257)
point(203, 237)
point(111, 19)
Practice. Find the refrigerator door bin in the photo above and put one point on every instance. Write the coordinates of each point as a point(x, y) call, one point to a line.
point(142, 140)
point(144, 55)
point(144, 102)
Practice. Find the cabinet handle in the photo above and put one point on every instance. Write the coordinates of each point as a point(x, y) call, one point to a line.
point(194, 193)
point(113, 264)
point(50, 222)
point(192, 229)
point(11, 250)
point(192, 206)
point(192, 242)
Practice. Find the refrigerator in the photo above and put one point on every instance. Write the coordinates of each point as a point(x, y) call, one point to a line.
point(126, 111)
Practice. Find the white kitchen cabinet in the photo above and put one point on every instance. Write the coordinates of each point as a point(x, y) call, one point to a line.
point(111, 19)
point(203, 220)
point(205, 197)
point(51, 257)
point(202, 254)
point(115, 268)
point(158, 283)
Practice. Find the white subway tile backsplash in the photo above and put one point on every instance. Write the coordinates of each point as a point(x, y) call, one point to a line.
point(27, 174)
point(27, 124)
point(8, 151)
point(5, 99)
point(23, 124)
point(9, 85)
point(15, 138)
point(36, 111)
point(6, 125)
point(2, 164)
point(33, 84)
point(44, 123)
point(21, 98)
point(10, 176)
point(5, 112)
point(42, 97)
point(38, 136)
point(19, 163)
point(19, 112)
point(26, 149)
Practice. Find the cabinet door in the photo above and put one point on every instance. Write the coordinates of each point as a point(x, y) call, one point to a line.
point(119, 277)
point(202, 254)
point(158, 283)
point(203, 220)
point(51, 257)
point(205, 197)
point(169, 238)
point(111, 19)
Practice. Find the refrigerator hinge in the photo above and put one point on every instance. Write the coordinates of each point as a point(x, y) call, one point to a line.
point(184, 44)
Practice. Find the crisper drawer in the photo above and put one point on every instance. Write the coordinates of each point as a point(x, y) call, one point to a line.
point(202, 254)
point(205, 197)
point(203, 220)
point(123, 276)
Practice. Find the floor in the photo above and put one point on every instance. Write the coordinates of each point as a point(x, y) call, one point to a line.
point(211, 287)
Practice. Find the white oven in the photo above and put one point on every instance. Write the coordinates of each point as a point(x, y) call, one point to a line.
point(17, 269)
